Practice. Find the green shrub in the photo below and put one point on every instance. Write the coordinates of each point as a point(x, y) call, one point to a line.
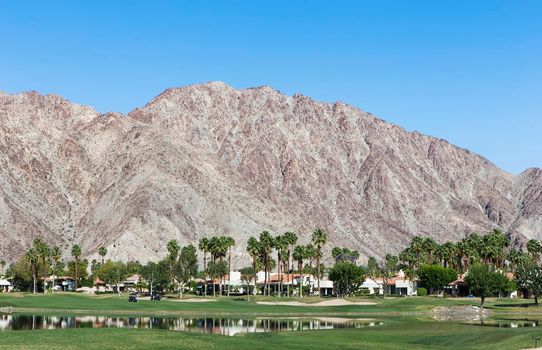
point(421, 292)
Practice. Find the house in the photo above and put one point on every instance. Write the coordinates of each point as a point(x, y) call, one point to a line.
point(63, 283)
point(397, 285)
point(5, 286)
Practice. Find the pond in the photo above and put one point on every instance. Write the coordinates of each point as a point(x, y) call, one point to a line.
point(506, 323)
point(216, 325)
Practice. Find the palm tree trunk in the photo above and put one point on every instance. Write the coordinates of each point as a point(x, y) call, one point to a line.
point(76, 263)
point(299, 267)
point(229, 271)
point(318, 269)
point(255, 273)
point(205, 274)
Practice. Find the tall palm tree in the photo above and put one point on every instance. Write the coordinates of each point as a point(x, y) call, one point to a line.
point(33, 258)
point(173, 249)
point(447, 251)
point(319, 238)
point(310, 253)
point(204, 247)
point(281, 244)
point(76, 253)
point(253, 248)
point(44, 252)
point(429, 246)
point(102, 251)
point(299, 254)
point(2, 263)
point(266, 245)
point(56, 254)
point(533, 248)
point(291, 239)
point(229, 242)
point(416, 245)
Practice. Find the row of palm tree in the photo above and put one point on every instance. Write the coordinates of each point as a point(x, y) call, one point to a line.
point(492, 249)
point(286, 249)
point(218, 247)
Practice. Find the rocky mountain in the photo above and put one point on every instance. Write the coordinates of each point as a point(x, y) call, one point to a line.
point(209, 159)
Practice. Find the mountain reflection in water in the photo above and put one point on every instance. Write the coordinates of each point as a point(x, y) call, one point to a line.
point(224, 326)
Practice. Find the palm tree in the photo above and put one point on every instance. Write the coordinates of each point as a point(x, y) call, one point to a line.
point(102, 251)
point(429, 246)
point(447, 251)
point(56, 254)
point(291, 239)
point(33, 258)
point(299, 254)
point(280, 246)
point(310, 253)
point(416, 245)
point(319, 238)
point(76, 253)
point(229, 242)
point(43, 251)
point(253, 248)
point(534, 248)
point(2, 263)
point(266, 244)
point(204, 247)
point(173, 249)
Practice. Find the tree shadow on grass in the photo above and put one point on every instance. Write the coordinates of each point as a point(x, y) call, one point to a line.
point(522, 305)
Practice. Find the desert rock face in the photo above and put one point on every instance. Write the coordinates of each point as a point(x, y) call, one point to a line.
point(209, 159)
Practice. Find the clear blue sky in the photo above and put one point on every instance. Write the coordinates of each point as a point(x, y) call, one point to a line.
point(466, 71)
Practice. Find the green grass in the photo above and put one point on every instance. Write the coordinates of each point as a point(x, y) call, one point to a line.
point(222, 306)
point(407, 325)
point(399, 334)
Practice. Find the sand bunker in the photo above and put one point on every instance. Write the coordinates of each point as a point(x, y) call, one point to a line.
point(331, 302)
point(192, 300)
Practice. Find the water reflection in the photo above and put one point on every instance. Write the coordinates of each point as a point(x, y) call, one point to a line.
point(224, 326)
point(507, 323)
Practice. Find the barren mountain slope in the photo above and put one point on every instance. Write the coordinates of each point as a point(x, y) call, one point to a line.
point(209, 159)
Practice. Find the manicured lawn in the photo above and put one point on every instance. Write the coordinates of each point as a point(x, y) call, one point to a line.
point(407, 325)
point(399, 334)
point(222, 306)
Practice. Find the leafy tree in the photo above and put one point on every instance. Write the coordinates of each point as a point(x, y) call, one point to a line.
point(21, 274)
point(187, 266)
point(113, 272)
point(217, 270)
point(529, 277)
point(481, 281)
point(76, 253)
point(435, 277)
point(246, 275)
point(319, 238)
point(533, 248)
point(156, 275)
point(346, 278)
point(78, 268)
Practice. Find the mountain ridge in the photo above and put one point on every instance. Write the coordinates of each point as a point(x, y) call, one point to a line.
point(272, 161)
